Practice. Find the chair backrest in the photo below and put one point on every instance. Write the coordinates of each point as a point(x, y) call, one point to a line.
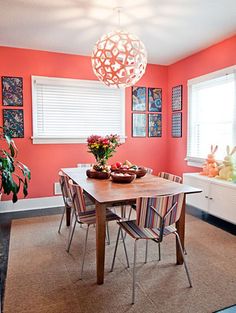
point(64, 183)
point(77, 197)
point(149, 170)
point(159, 212)
point(174, 178)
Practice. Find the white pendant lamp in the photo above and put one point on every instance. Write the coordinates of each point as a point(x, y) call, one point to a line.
point(119, 59)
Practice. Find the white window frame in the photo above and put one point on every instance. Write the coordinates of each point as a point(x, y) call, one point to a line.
point(37, 139)
point(195, 161)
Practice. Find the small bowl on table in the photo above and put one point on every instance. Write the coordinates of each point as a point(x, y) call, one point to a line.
point(139, 172)
point(122, 178)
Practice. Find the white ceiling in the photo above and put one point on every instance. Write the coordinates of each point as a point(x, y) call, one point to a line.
point(170, 29)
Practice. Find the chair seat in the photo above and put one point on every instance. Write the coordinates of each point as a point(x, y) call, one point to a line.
point(89, 217)
point(138, 232)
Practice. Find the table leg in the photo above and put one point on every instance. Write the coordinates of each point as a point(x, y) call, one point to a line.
point(68, 213)
point(180, 225)
point(100, 240)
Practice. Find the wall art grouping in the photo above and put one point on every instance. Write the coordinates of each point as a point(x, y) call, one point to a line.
point(176, 108)
point(12, 96)
point(146, 103)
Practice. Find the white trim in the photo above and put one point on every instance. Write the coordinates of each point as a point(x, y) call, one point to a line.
point(31, 204)
point(212, 75)
point(195, 162)
point(41, 140)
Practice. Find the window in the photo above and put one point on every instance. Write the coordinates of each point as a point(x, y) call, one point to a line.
point(69, 110)
point(212, 114)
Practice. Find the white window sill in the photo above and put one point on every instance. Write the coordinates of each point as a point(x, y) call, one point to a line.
point(41, 140)
point(195, 162)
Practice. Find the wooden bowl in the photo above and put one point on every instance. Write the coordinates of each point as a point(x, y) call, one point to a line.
point(125, 179)
point(140, 172)
point(98, 175)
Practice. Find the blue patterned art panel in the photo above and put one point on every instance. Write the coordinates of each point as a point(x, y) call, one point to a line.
point(139, 125)
point(155, 99)
point(139, 99)
point(177, 98)
point(154, 125)
point(177, 125)
point(12, 91)
point(13, 122)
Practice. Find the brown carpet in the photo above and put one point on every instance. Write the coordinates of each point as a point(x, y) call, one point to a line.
point(42, 277)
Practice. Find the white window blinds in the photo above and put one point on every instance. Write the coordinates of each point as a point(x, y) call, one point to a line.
point(212, 114)
point(70, 110)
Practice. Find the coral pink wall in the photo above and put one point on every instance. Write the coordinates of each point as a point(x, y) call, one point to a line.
point(45, 160)
point(209, 60)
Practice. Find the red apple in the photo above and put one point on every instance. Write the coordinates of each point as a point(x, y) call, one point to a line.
point(113, 167)
point(118, 164)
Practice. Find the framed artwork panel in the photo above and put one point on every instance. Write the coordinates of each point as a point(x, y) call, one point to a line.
point(154, 99)
point(138, 98)
point(154, 125)
point(177, 98)
point(12, 91)
point(13, 122)
point(177, 125)
point(139, 123)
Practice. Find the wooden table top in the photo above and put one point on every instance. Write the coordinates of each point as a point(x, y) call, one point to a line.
point(107, 191)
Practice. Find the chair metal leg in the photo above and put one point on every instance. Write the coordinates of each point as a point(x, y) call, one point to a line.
point(62, 217)
point(123, 207)
point(159, 251)
point(85, 248)
point(126, 254)
point(146, 251)
point(71, 233)
point(134, 271)
point(185, 265)
point(114, 256)
point(130, 211)
point(108, 234)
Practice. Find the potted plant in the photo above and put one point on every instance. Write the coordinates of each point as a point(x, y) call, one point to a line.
point(14, 175)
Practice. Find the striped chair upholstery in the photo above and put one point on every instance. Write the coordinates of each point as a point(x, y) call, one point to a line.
point(64, 183)
point(83, 215)
point(156, 217)
point(174, 178)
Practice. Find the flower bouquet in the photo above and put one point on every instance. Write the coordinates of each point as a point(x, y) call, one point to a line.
point(102, 148)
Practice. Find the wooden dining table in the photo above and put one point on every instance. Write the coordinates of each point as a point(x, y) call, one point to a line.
point(106, 193)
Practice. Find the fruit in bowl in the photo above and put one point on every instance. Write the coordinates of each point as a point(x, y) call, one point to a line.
point(122, 178)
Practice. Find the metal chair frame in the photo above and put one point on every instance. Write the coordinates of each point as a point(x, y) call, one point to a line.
point(158, 240)
point(76, 219)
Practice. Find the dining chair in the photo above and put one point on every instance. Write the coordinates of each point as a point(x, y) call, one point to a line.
point(172, 177)
point(156, 218)
point(83, 217)
point(64, 183)
point(63, 180)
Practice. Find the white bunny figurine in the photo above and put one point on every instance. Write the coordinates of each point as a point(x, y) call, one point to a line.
point(228, 168)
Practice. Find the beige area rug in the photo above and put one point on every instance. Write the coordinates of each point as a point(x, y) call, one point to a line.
point(43, 277)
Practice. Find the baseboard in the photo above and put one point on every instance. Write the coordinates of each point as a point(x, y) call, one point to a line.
point(31, 204)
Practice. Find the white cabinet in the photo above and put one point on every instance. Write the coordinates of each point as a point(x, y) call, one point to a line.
point(218, 197)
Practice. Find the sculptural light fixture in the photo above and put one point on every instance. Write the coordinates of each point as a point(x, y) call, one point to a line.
point(119, 59)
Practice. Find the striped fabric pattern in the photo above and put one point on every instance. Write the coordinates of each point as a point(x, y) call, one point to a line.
point(77, 197)
point(148, 224)
point(174, 178)
point(148, 218)
point(138, 232)
point(64, 183)
point(89, 217)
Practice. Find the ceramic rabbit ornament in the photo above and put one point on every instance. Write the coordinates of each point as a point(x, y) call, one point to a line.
point(228, 168)
point(210, 167)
